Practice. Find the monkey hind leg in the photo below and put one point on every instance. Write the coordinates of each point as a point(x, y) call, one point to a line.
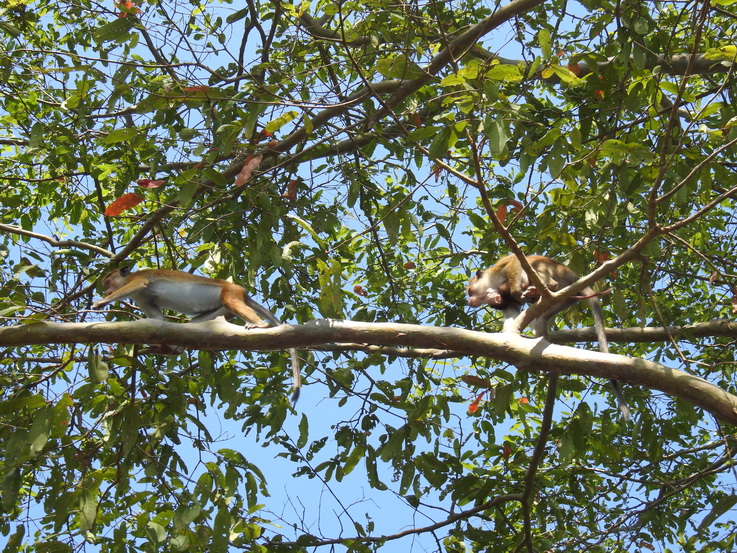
point(210, 315)
point(621, 402)
point(233, 298)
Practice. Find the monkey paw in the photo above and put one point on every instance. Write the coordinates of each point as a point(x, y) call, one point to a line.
point(530, 295)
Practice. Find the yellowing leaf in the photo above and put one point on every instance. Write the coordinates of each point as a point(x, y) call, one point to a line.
point(566, 75)
point(469, 72)
point(722, 53)
point(279, 122)
point(509, 73)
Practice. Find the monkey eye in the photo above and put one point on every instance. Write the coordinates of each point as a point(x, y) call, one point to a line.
point(479, 272)
point(124, 271)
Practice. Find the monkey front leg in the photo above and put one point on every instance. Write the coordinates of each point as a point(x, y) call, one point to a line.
point(530, 295)
point(511, 312)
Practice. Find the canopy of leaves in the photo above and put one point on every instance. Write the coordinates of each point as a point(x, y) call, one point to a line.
point(358, 160)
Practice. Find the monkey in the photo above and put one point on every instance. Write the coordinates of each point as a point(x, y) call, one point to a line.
point(506, 287)
point(207, 298)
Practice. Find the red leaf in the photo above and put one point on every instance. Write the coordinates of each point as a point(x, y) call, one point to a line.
point(410, 265)
point(516, 206)
point(436, 172)
point(126, 7)
point(199, 88)
point(600, 256)
point(252, 162)
point(291, 192)
point(472, 380)
point(148, 183)
point(475, 405)
point(263, 133)
point(358, 289)
point(501, 213)
point(506, 452)
point(124, 203)
point(575, 69)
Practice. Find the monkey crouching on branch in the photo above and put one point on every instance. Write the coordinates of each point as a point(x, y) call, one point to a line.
point(207, 298)
point(506, 287)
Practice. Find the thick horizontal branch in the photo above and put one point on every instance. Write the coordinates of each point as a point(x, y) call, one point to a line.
point(720, 327)
point(525, 353)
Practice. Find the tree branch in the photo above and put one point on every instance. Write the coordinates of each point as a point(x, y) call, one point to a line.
point(12, 229)
point(525, 353)
point(537, 457)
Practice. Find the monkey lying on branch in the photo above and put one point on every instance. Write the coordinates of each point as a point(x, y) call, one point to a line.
point(506, 287)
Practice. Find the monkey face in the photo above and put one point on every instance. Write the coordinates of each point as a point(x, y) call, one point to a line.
point(115, 280)
point(496, 298)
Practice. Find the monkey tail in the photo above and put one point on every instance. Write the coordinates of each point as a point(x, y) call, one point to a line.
point(269, 316)
point(604, 348)
point(592, 295)
point(296, 377)
point(598, 320)
point(621, 402)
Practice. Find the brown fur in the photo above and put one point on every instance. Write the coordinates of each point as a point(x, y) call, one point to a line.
point(506, 286)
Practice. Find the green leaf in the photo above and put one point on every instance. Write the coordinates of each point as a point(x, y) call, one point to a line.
point(11, 487)
point(120, 135)
point(15, 541)
point(496, 132)
point(186, 515)
point(98, 369)
point(156, 532)
point(304, 431)
point(87, 514)
point(330, 301)
point(39, 432)
point(352, 460)
point(546, 45)
point(394, 444)
point(399, 67)
point(441, 143)
point(117, 30)
point(14, 405)
point(305, 225)
point(279, 122)
point(502, 399)
point(720, 505)
point(565, 448)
